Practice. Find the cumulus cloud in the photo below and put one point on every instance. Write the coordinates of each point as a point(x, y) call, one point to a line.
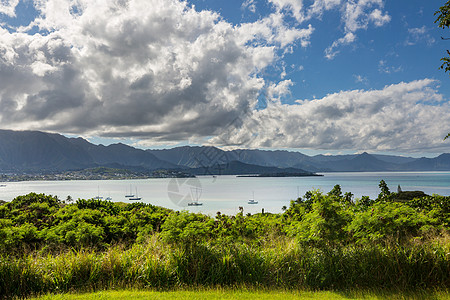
point(401, 117)
point(154, 69)
point(171, 73)
point(8, 7)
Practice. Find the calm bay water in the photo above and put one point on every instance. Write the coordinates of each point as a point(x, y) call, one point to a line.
point(227, 193)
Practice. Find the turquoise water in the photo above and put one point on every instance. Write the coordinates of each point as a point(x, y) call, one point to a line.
point(227, 193)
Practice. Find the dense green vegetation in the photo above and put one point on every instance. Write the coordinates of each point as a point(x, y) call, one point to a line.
point(443, 21)
point(321, 241)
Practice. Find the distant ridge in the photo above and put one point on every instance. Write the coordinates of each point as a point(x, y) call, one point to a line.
point(35, 151)
point(195, 157)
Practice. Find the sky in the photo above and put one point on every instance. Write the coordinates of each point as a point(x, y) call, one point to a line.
point(315, 76)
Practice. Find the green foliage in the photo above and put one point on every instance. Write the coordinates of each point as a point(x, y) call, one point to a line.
point(322, 241)
point(22, 203)
point(324, 224)
point(436, 207)
point(104, 205)
point(387, 221)
point(443, 15)
point(364, 203)
point(443, 21)
point(407, 195)
point(385, 193)
point(186, 228)
point(279, 265)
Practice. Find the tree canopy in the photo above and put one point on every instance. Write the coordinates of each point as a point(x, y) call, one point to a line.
point(443, 21)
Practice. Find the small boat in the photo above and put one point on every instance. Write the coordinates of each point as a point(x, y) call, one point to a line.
point(195, 199)
point(108, 198)
point(135, 197)
point(252, 201)
point(98, 194)
point(2, 185)
point(130, 195)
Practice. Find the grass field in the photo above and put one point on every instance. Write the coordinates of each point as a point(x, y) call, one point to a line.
point(247, 294)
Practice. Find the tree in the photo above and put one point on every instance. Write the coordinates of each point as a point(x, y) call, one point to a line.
point(443, 21)
point(384, 190)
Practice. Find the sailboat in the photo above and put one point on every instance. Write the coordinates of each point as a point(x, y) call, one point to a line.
point(130, 195)
point(98, 194)
point(252, 201)
point(195, 200)
point(135, 197)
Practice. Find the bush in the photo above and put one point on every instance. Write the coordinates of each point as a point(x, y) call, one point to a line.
point(387, 221)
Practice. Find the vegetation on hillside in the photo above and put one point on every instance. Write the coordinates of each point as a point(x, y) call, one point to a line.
point(321, 241)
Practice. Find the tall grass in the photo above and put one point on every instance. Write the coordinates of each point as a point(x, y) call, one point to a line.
point(281, 263)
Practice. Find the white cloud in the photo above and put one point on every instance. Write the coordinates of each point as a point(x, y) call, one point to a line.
point(360, 79)
point(250, 5)
point(8, 7)
point(358, 15)
point(150, 69)
point(331, 52)
point(158, 71)
point(275, 91)
point(295, 7)
point(377, 17)
point(418, 35)
point(401, 117)
point(303, 13)
point(355, 15)
point(384, 67)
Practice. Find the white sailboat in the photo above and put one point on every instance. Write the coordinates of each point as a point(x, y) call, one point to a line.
point(98, 194)
point(252, 201)
point(135, 197)
point(130, 195)
point(195, 197)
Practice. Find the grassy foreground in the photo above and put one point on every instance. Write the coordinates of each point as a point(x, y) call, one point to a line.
point(245, 294)
point(328, 242)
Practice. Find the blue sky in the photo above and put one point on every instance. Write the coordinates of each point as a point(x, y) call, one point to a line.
point(406, 48)
point(323, 76)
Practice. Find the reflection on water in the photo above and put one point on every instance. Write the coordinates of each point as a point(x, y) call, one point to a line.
point(227, 193)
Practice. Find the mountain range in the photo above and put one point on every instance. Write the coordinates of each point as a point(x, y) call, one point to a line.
point(35, 151)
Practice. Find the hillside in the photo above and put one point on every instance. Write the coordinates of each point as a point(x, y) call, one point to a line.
point(34, 151)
